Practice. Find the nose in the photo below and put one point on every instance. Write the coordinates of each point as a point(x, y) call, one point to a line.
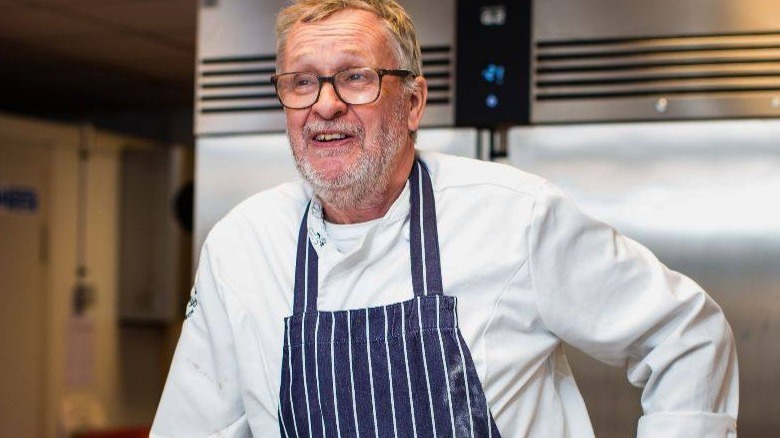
point(329, 105)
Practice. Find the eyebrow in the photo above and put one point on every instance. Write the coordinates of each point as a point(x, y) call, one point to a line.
point(348, 55)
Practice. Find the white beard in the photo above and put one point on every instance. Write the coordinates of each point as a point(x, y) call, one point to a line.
point(365, 181)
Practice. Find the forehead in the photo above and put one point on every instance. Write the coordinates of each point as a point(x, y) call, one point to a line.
point(349, 38)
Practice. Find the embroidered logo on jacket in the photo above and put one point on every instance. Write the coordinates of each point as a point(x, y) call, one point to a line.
point(192, 304)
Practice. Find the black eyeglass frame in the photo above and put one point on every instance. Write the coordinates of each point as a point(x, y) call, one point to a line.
point(381, 72)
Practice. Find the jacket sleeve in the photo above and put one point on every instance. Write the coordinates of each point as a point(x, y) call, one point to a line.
point(202, 393)
point(610, 297)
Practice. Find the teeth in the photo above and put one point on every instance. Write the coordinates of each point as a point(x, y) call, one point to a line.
point(329, 137)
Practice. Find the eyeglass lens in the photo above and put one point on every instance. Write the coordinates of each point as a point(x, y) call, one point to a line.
point(355, 86)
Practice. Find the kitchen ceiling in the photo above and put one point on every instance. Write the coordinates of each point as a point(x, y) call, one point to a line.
point(90, 55)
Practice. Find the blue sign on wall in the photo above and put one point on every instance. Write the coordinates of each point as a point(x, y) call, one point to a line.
point(18, 199)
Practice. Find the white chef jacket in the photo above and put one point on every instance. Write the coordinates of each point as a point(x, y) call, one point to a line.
point(529, 272)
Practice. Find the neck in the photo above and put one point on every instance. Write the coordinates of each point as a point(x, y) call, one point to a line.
point(375, 205)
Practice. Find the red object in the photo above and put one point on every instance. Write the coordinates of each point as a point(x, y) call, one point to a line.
point(127, 432)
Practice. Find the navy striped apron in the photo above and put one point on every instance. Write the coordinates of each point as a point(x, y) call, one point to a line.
point(400, 370)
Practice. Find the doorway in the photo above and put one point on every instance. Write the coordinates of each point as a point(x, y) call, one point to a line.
point(24, 169)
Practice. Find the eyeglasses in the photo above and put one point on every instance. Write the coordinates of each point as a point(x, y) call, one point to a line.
point(356, 86)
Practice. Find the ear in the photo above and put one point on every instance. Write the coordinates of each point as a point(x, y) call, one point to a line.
point(417, 103)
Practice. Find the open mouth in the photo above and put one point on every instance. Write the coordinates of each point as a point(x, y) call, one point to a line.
point(330, 137)
point(331, 133)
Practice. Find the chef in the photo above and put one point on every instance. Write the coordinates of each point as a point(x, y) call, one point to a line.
point(398, 293)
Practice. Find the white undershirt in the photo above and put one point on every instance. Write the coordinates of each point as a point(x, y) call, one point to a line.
point(347, 237)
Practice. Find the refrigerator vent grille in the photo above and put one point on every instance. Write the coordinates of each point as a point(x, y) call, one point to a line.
point(714, 64)
point(242, 84)
point(236, 84)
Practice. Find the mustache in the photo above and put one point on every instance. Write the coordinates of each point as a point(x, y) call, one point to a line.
point(313, 127)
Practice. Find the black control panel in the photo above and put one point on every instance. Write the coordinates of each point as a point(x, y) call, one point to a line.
point(493, 63)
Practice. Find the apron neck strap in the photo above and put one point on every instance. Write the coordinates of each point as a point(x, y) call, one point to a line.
point(423, 246)
point(306, 261)
point(423, 235)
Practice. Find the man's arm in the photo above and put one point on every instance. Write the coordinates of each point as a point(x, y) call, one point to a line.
point(202, 394)
point(611, 298)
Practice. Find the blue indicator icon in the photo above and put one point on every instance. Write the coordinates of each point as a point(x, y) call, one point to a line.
point(494, 73)
point(491, 101)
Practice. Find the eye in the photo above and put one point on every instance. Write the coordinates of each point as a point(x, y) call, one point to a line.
point(303, 81)
point(355, 77)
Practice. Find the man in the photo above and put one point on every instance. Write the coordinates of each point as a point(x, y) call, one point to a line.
point(396, 293)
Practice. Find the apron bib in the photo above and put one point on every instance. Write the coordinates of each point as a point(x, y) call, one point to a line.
point(400, 370)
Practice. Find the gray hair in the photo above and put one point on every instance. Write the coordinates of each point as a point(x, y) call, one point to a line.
point(399, 27)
